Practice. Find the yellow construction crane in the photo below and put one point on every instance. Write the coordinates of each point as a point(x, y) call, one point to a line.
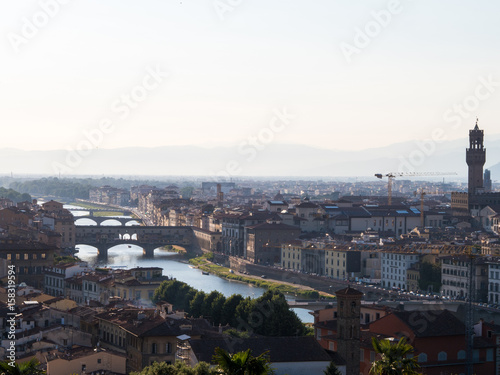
point(392, 175)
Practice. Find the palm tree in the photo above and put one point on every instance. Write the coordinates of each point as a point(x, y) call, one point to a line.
point(242, 363)
point(30, 367)
point(394, 358)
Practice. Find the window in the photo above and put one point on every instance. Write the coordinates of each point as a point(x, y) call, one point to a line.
point(9, 256)
point(153, 348)
point(489, 355)
point(168, 348)
point(422, 357)
point(98, 360)
point(442, 356)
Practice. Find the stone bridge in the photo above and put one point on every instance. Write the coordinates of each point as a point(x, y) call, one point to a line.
point(100, 219)
point(109, 209)
point(311, 305)
point(149, 238)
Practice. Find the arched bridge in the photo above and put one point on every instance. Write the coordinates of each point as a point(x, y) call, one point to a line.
point(311, 305)
point(149, 238)
point(107, 209)
point(100, 219)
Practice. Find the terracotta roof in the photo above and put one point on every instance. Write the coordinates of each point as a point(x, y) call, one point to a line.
point(431, 323)
point(281, 349)
point(268, 226)
point(336, 358)
point(330, 325)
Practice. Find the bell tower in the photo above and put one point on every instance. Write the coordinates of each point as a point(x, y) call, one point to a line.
point(476, 157)
point(348, 327)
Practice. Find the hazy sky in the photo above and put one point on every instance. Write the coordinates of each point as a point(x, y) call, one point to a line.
point(67, 66)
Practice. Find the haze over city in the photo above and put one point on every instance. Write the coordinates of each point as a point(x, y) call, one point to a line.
point(335, 76)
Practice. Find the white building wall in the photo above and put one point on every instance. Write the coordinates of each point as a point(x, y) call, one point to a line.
point(494, 283)
point(394, 267)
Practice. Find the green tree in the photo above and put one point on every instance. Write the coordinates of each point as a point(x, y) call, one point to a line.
point(175, 292)
point(242, 363)
point(196, 304)
point(179, 368)
point(430, 275)
point(228, 315)
point(207, 303)
point(31, 367)
point(14, 195)
point(243, 311)
point(332, 369)
point(394, 358)
point(217, 306)
point(277, 318)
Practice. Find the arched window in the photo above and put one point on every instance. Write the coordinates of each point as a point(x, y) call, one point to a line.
point(461, 354)
point(442, 356)
point(422, 357)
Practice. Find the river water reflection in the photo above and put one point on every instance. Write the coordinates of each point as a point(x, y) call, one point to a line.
point(130, 256)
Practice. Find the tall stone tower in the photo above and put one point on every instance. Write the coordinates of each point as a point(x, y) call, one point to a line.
point(487, 181)
point(476, 157)
point(348, 327)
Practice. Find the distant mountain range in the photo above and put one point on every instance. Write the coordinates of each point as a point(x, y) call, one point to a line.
point(273, 160)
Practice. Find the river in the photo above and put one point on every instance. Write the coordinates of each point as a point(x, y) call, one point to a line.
point(130, 256)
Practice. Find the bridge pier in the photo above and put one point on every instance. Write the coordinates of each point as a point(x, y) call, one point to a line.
point(102, 252)
point(148, 250)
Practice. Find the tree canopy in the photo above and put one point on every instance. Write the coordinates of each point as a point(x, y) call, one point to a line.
point(179, 368)
point(268, 315)
point(430, 275)
point(14, 195)
point(31, 367)
point(242, 363)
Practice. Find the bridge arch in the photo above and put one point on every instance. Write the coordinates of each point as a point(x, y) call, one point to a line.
point(148, 238)
point(87, 219)
point(110, 221)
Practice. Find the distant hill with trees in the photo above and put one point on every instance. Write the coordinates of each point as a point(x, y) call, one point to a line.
point(13, 195)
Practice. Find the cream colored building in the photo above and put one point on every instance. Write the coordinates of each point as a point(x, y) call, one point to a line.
point(84, 360)
point(290, 255)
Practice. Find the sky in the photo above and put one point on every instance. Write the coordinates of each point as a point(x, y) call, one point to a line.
point(343, 75)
